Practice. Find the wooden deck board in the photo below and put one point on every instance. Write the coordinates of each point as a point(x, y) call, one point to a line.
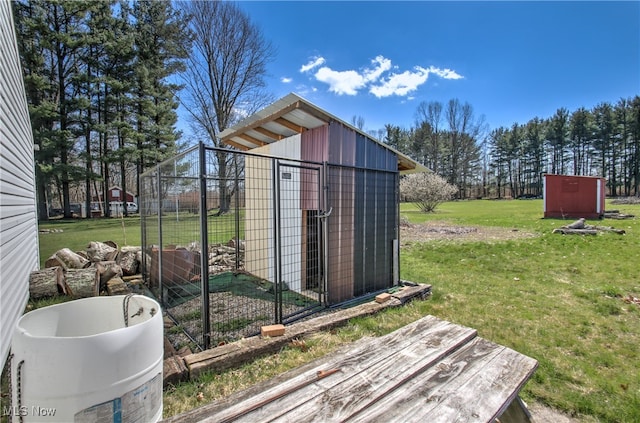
point(430, 370)
point(339, 396)
point(455, 390)
point(361, 357)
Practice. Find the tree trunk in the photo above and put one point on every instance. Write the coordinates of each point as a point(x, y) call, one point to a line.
point(47, 282)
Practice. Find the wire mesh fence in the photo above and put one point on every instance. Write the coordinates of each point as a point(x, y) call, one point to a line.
point(229, 245)
point(234, 241)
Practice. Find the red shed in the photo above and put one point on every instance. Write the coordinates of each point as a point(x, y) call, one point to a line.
point(115, 193)
point(574, 196)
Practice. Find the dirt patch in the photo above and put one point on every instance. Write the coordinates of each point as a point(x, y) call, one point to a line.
point(441, 230)
point(542, 414)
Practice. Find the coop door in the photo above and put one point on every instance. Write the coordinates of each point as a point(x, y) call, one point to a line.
point(298, 238)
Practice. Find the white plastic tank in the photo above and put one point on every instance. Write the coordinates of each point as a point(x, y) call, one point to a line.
point(96, 359)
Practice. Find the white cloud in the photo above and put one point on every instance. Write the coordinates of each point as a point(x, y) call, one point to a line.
point(401, 84)
point(313, 63)
point(379, 79)
point(445, 73)
point(372, 75)
point(341, 82)
point(286, 80)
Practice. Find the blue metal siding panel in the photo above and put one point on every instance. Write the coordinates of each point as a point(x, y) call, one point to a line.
point(359, 281)
point(361, 151)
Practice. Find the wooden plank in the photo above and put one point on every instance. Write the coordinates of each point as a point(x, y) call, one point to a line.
point(369, 382)
point(430, 370)
point(359, 356)
point(236, 353)
point(476, 383)
point(355, 351)
point(500, 381)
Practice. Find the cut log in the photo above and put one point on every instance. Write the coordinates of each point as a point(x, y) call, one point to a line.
point(47, 282)
point(566, 231)
point(116, 286)
point(81, 283)
point(101, 251)
point(107, 270)
point(610, 229)
point(578, 224)
point(128, 261)
point(67, 259)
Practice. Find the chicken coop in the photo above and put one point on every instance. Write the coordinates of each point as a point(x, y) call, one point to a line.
point(302, 215)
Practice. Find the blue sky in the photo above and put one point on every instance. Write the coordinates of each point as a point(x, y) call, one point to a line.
point(512, 61)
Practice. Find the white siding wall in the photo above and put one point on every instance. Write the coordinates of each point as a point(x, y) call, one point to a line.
point(18, 220)
point(259, 218)
point(290, 212)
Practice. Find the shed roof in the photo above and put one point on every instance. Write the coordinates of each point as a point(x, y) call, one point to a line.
point(292, 115)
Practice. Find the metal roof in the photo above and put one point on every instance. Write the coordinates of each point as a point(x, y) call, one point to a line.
point(292, 115)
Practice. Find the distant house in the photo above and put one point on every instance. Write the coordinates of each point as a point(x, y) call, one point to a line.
point(18, 216)
point(115, 193)
point(574, 196)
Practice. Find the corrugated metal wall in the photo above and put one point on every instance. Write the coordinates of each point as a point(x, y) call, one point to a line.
point(362, 177)
point(18, 219)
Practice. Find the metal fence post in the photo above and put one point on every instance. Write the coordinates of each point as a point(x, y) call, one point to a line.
point(276, 241)
point(160, 288)
point(204, 250)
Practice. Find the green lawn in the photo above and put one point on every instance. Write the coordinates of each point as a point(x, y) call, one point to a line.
point(77, 233)
point(182, 230)
point(556, 298)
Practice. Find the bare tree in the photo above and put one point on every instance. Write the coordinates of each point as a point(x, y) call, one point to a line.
point(357, 121)
point(431, 114)
point(224, 80)
point(464, 132)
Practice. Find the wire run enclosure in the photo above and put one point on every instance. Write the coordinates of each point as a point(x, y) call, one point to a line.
point(233, 241)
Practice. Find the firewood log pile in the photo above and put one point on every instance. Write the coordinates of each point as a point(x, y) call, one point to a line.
point(615, 214)
point(99, 269)
point(580, 227)
point(104, 268)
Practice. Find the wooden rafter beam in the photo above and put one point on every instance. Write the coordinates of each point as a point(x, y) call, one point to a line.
point(260, 122)
point(288, 124)
point(267, 133)
point(252, 140)
point(237, 145)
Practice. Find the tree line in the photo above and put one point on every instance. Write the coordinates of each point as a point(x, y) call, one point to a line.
point(510, 162)
point(98, 80)
point(104, 79)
